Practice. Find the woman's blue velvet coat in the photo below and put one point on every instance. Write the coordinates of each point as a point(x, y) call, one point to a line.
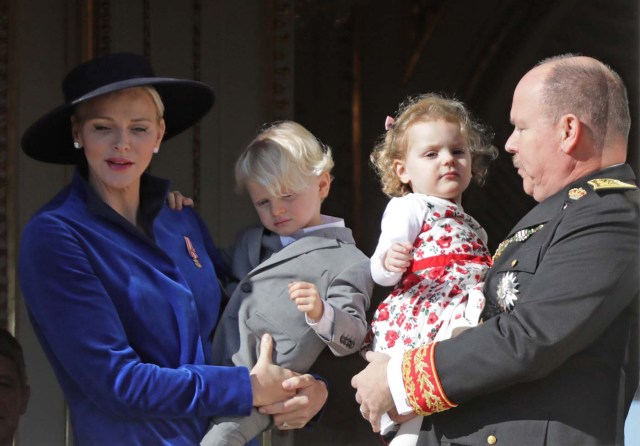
point(126, 318)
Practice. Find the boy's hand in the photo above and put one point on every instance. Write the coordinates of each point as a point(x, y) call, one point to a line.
point(306, 297)
point(177, 201)
point(398, 257)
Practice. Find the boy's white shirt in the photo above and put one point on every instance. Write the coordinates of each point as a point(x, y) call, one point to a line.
point(323, 327)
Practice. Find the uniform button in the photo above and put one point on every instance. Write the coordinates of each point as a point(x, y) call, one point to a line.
point(514, 263)
point(246, 287)
point(491, 439)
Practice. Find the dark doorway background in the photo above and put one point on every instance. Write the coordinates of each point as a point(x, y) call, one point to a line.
point(356, 60)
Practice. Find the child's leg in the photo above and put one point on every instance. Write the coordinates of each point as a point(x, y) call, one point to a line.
point(408, 433)
point(235, 431)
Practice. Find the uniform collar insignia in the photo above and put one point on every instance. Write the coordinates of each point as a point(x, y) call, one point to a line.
point(576, 193)
point(609, 183)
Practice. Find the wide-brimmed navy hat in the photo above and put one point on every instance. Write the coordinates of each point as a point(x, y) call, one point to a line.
point(185, 102)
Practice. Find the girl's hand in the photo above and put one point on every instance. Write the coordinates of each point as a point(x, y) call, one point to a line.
point(398, 257)
point(177, 201)
point(306, 297)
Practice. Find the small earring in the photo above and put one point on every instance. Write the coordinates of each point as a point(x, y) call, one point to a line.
point(156, 149)
point(77, 145)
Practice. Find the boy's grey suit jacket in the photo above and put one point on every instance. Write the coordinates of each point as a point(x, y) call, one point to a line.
point(260, 302)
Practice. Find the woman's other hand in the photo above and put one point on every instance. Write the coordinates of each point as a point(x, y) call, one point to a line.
point(294, 413)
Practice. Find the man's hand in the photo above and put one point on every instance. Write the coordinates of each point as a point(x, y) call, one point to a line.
point(294, 413)
point(372, 389)
point(267, 378)
point(306, 297)
point(398, 257)
point(177, 201)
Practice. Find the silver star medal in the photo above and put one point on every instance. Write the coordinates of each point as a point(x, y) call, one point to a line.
point(507, 291)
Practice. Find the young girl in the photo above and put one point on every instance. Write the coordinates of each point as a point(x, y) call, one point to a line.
point(429, 248)
point(303, 280)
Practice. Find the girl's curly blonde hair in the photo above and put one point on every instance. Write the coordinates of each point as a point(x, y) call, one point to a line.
point(392, 145)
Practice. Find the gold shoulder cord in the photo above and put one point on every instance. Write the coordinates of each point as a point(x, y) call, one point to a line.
point(609, 183)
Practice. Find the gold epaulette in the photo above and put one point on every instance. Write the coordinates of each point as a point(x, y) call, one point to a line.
point(610, 184)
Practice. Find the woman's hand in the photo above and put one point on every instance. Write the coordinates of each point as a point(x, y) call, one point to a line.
point(177, 201)
point(398, 257)
point(267, 378)
point(305, 296)
point(296, 412)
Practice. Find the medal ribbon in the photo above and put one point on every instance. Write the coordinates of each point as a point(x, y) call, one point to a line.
point(519, 236)
point(192, 252)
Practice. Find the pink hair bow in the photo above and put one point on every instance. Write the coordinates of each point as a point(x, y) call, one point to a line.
point(389, 122)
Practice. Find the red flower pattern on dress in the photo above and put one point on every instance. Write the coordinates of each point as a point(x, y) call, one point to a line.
point(455, 290)
point(444, 241)
point(401, 319)
point(435, 272)
point(421, 299)
point(391, 337)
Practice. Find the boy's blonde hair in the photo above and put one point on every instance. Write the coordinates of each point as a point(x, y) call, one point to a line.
point(393, 145)
point(281, 158)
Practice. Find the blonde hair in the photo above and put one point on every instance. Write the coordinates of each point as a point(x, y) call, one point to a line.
point(281, 158)
point(149, 89)
point(156, 98)
point(393, 145)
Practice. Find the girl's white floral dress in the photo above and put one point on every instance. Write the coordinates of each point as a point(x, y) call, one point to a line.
point(440, 294)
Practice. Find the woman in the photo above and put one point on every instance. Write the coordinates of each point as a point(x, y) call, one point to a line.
point(120, 289)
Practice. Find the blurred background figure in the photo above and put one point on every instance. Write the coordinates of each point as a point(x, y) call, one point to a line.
point(14, 390)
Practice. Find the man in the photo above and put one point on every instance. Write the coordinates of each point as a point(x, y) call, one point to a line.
point(557, 364)
point(14, 390)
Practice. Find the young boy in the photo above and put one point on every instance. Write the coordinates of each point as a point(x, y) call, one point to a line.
point(304, 282)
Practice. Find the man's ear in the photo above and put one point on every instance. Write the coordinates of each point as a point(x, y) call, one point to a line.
point(570, 129)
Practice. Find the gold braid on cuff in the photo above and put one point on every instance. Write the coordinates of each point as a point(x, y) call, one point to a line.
point(421, 381)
